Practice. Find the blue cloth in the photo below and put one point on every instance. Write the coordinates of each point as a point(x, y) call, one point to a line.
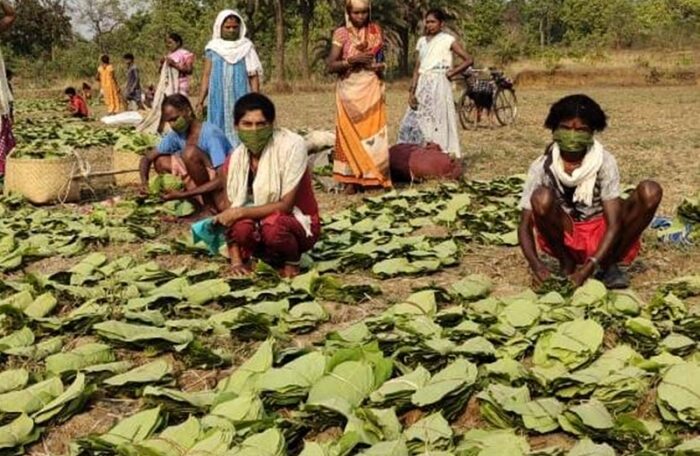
point(211, 141)
point(672, 231)
point(210, 233)
point(227, 84)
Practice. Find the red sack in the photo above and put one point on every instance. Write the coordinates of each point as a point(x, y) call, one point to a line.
point(410, 163)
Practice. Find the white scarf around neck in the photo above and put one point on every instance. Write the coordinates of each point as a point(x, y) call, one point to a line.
point(231, 51)
point(584, 177)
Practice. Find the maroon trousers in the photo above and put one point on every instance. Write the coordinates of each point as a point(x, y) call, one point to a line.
point(277, 239)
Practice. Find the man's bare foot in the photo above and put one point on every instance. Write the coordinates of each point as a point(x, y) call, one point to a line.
point(289, 271)
point(241, 270)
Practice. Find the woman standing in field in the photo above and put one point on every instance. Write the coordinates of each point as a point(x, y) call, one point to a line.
point(431, 117)
point(110, 88)
point(232, 69)
point(362, 148)
point(7, 139)
point(180, 59)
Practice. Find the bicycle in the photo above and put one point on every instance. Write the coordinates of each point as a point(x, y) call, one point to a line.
point(496, 95)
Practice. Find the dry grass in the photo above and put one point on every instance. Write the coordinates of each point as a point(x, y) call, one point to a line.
point(652, 133)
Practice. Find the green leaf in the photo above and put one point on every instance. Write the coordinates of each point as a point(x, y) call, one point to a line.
point(73, 394)
point(140, 334)
point(41, 307)
point(153, 372)
point(344, 388)
point(401, 388)
point(493, 443)
point(21, 338)
point(472, 287)
point(678, 394)
point(454, 378)
point(133, 429)
point(13, 379)
point(587, 447)
point(393, 448)
point(432, 432)
point(572, 344)
point(79, 358)
point(18, 432)
point(267, 443)
point(31, 399)
point(246, 377)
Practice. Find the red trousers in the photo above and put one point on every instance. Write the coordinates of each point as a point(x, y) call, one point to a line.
point(277, 239)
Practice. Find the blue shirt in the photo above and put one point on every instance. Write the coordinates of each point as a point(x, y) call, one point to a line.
point(212, 142)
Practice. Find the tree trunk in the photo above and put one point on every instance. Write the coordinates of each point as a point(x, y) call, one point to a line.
point(279, 43)
point(405, 36)
point(250, 22)
point(306, 13)
point(543, 40)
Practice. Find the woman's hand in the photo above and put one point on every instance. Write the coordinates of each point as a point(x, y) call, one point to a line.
point(541, 273)
point(364, 59)
point(172, 195)
point(199, 109)
point(229, 216)
point(413, 101)
point(240, 270)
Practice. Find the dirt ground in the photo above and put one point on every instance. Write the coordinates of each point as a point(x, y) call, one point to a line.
point(653, 134)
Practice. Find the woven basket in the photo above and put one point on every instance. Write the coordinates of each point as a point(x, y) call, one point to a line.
point(127, 161)
point(99, 160)
point(42, 181)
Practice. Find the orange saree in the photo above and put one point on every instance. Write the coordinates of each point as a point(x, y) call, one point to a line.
point(362, 147)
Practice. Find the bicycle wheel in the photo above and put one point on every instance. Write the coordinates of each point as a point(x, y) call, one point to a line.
point(466, 109)
point(505, 105)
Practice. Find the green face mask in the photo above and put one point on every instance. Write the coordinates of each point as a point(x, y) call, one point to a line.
point(180, 125)
point(572, 140)
point(229, 35)
point(256, 140)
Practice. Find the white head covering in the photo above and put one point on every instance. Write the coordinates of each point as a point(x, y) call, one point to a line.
point(355, 4)
point(231, 51)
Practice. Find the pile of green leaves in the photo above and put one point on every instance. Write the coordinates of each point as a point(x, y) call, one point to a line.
point(535, 364)
point(28, 234)
point(134, 141)
point(385, 233)
point(55, 138)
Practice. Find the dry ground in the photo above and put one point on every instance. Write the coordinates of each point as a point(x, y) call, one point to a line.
point(653, 133)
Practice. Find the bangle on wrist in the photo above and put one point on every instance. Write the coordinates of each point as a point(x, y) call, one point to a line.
point(596, 263)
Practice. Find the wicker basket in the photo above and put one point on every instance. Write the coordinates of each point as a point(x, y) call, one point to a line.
point(99, 160)
point(42, 181)
point(127, 161)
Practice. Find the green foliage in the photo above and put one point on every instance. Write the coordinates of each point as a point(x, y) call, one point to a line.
point(505, 29)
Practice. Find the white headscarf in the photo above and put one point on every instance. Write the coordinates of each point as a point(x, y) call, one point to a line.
point(355, 4)
point(234, 51)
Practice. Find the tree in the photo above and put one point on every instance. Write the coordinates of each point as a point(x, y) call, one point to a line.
point(306, 10)
point(102, 17)
point(278, 6)
point(40, 27)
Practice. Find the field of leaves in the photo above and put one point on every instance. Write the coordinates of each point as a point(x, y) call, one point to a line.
point(413, 332)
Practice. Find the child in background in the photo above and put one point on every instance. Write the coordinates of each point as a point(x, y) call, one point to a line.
point(76, 104)
point(149, 95)
point(87, 92)
point(132, 93)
